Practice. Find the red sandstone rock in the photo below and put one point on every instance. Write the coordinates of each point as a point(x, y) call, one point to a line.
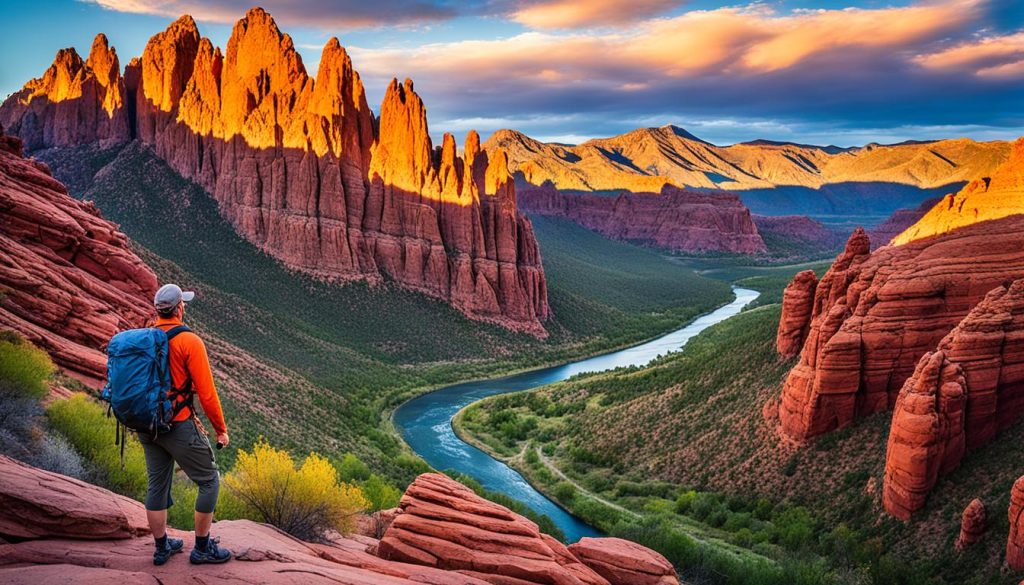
point(973, 524)
point(444, 524)
point(674, 219)
point(622, 562)
point(927, 436)
point(302, 170)
point(74, 102)
point(40, 504)
point(1015, 541)
point(876, 314)
point(797, 305)
point(68, 279)
point(810, 237)
point(987, 349)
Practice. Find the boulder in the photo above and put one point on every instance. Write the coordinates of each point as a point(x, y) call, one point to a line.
point(973, 524)
point(1015, 541)
point(40, 504)
point(622, 562)
point(444, 524)
point(797, 306)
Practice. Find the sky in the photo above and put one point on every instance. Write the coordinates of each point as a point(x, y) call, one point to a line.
point(843, 72)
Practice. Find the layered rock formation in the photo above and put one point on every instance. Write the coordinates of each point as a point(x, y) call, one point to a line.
point(1015, 541)
point(622, 562)
point(74, 102)
point(927, 435)
point(876, 314)
point(645, 159)
point(302, 168)
point(993, 197)
point(69, 531)
point(973, 524)
point(797, 306)
point(958, 399)
point(444, 524)
point(68, 281)
point(798, 236)
point(673, 219)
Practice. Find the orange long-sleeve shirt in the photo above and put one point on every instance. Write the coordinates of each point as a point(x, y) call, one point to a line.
point(189, 359)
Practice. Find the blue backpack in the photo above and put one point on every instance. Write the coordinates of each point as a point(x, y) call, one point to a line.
point(139, 389)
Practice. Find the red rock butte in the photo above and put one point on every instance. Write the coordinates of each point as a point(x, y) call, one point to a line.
point(672, 219)
point(301, 167)
point(68, 278)
point(959, 398)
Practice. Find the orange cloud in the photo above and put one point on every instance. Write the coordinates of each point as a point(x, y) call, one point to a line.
point(732, 41)
point(994, 57)
point(550, 14)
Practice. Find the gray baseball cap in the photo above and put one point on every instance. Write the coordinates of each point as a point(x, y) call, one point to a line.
point(170, 295)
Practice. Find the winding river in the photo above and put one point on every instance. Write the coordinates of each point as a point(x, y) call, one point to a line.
point(426, 421)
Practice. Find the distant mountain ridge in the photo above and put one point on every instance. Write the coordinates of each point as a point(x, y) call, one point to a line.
point(645, 159)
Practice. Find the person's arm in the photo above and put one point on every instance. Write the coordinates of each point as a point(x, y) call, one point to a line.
point(202, 385)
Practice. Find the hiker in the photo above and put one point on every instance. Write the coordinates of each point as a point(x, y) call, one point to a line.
point(186, 442)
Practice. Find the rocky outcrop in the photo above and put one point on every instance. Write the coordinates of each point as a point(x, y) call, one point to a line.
point(798, 236)
point(995, 196)
point(1015, 541)
point(797, 306)
point(74, 102)
point(302, 168)
point(958, 399)
point(677, 220)
point(68, 280)
point(40, 504)
point(927, 435)
point(444, 524)
point(898, 222)
point(622, 562)
point(876, 314)
point(69, 531)
point(973, 524)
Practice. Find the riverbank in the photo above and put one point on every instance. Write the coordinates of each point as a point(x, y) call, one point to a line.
point(425, 422)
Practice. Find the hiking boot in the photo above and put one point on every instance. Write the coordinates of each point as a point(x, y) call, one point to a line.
point(174, 545)
point(212, 555)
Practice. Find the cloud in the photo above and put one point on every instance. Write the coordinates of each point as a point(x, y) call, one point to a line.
point(994, 56)
point(321, 14)
point(554, 14)
point(839, 68)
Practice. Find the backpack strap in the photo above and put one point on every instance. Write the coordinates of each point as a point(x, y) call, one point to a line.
point(187, 388)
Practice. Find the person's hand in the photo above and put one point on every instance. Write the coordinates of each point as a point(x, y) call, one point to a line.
point(223, 439)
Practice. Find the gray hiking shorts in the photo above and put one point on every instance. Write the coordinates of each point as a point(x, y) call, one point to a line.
point(191, 450)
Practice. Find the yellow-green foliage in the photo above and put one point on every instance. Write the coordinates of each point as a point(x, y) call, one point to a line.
point(304, 501)
point(23, 366)
point(85, 424)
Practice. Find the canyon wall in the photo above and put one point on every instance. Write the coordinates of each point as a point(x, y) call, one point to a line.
point(302, 167)
point(877, 313)
point(68, 280)
point(674, 219)
point(959, 398)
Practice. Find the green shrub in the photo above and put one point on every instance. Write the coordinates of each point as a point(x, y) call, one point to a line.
point(351, 469)
point(84, 422)
point(379, 493)
point(565, 492)
point(23, 366)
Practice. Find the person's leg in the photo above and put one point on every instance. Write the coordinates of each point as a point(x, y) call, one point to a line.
point(160, 474)
point(194, 454)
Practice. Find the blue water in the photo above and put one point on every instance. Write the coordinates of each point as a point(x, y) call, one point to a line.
point(426, 421)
